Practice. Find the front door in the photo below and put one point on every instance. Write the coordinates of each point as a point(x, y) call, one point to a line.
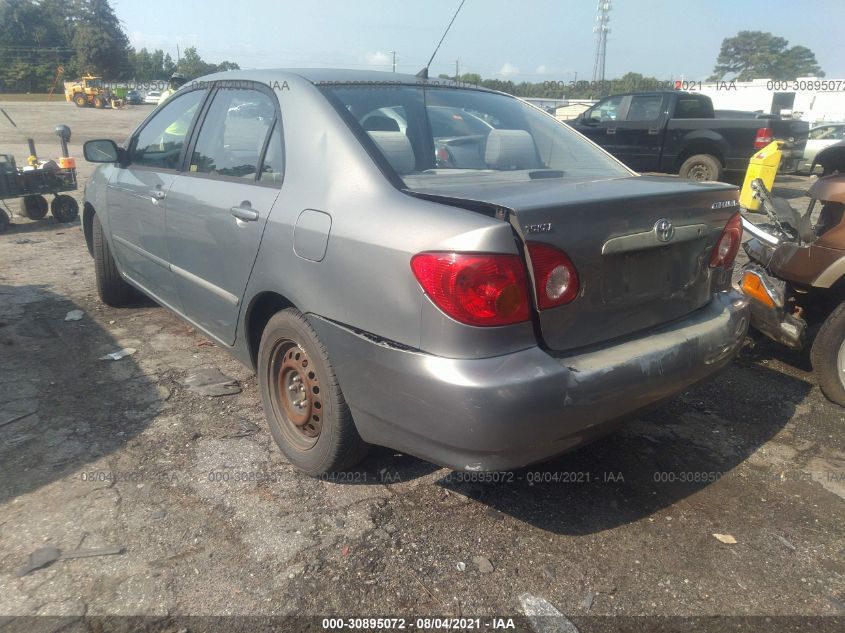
point(599, 123)
point(218, 207)
point(137, 197)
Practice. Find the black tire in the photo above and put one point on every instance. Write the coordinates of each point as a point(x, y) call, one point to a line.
point(64, 208)
point(702, 167)
point(828, 356)
point(34, 207)
point(99, 102)
point(4, 220)
point(111, 287)
point(289, 345)
point(80, 100)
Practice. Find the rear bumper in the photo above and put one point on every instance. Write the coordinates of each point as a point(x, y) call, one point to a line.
point(509, 411)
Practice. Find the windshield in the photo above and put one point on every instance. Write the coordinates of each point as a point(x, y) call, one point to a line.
point(437, 136)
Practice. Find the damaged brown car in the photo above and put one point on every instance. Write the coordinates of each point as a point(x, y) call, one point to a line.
point(796, 276)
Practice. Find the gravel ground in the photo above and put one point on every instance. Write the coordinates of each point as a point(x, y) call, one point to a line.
point(212, 521)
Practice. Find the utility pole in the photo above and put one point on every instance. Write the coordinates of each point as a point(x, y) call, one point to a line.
point(394, 59)
point(177, 54)
point(601, 30)
point(457, 73)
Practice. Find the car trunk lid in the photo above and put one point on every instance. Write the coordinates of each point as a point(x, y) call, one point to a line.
point(612, 230)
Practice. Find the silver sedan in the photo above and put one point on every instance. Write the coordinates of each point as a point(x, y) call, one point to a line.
point(484, 299)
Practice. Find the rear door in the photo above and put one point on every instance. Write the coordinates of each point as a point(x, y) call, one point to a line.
point(218, 207)
point(137, 196)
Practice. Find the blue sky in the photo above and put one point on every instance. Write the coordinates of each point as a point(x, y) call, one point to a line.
point(534, 40)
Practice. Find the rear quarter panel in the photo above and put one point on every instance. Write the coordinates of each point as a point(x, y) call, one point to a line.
point(364, 280)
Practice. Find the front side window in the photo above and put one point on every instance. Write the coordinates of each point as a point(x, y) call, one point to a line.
point(233, 134)
point(439, 134)
point(607, 110)
point(159, 144)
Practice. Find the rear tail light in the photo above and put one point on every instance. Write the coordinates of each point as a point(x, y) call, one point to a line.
point(763, 137)
point(726, 248)
point(475, 288)
point(555, 277)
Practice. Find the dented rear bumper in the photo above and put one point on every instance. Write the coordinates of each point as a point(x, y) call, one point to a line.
point(509, 411)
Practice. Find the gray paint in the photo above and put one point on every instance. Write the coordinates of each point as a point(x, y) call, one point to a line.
point(335, 238)
point(311, 234)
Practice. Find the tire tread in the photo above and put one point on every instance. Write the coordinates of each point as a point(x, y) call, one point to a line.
point(824, 352)
point(112, 288)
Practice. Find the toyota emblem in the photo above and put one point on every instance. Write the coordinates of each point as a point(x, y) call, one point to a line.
point(664, 230)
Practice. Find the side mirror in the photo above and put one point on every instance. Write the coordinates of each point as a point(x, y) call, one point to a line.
point(102, 151)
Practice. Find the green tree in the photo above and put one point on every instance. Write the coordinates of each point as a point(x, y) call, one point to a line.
point(34, 42)
point(192, 65)
point(755, 54)
point(100, 43)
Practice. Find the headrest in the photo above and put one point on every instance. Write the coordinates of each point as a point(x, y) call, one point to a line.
point(396, 149)
point(380, 123)
point(510, 149)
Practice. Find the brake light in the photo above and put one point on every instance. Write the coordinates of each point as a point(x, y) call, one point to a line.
point(726, 248)
point(475, 288)
point(555, 277)
point(763, 137)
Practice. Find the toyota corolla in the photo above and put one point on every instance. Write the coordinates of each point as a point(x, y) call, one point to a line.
point(443, 270)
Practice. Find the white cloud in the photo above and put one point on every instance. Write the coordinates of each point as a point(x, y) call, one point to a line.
point(378, 59)
point(541, 70)
point(508, 69)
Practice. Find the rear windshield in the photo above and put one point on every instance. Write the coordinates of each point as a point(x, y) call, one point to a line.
point(439, 135)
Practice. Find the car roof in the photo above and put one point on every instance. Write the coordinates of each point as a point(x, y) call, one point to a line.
point(335, 75)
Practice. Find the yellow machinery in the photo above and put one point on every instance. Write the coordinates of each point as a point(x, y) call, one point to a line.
point(763, 165)
point(89, 91)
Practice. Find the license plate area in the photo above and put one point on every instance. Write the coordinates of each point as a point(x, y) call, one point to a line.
point(649, 273)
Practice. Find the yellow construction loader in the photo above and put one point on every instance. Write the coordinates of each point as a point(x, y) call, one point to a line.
point(89, 91)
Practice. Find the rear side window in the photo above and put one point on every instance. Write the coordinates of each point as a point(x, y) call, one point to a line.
point(159, 144)
point(273, 166)
point(644, 108)
point(233, 134)
point(691, 107)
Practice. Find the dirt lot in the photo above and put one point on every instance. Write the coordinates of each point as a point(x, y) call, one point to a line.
point(212, 520)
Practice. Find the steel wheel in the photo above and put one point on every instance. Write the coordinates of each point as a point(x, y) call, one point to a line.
point(295, 392)
point(700, 172)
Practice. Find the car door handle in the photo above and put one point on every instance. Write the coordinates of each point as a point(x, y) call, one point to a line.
point(244, 213)
point(654, 130)
point(611, 130)
point(158, 194)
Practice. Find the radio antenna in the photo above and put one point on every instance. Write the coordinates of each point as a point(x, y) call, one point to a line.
point(423, 74)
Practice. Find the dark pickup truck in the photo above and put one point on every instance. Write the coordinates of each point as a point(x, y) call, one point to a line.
point(676, 132)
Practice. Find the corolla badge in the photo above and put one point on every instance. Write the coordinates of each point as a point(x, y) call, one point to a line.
point(664, 230)
point(724, 204)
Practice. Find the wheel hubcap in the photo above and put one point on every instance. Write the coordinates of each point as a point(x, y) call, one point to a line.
point(297, 395)
point(840, 363)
